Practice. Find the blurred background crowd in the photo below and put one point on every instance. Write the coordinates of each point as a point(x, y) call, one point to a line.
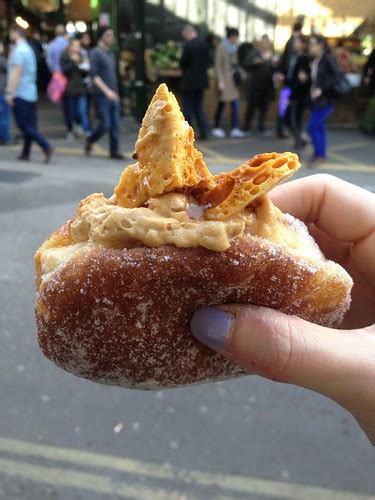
point(274, 68)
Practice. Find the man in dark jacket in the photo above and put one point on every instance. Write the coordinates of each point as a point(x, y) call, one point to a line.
point(194, 62)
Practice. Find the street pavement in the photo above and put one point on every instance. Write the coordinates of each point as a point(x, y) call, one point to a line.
point(67, 438)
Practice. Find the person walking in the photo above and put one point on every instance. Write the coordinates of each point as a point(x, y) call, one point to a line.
point(260, 89)
point(21, 92)
point(194, 62)
point(324, 76)
point(298, 79)
point(226, 64)
point(368, 75)
point(75, 91)
point(105, 94)
point(4, 108)
point(283, 116)
point(55, 49)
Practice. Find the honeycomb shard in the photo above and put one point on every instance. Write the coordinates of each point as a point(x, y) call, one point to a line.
point(166, 157)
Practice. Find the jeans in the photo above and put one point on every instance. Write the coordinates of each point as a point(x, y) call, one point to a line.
point(260, 100)
point(297, 106)
point(234, 113)
point(25, 116)
point(192, 106)
point(108, 113)
point(75, 109)
point(317, 129)
point(4, 120)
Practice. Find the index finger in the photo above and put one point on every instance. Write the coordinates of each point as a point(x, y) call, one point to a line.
point(342, 210)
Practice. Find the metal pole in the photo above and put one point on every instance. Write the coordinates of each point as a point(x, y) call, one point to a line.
point(139, 35)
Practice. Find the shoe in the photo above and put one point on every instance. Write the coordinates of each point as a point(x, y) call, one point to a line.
point(117, 156)
point(23, 158)
point(281, 135)
point(69, 137)
point(218, 132)
point(236, 133)
point(266, 133)
point(316, 161)
point(48, 154)
point(88, 148)
point(78, 130)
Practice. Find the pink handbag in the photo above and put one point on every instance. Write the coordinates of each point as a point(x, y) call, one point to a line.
point(56, 87)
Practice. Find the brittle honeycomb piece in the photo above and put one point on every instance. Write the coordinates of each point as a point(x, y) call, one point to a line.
point(235, 190)
point(166, 157)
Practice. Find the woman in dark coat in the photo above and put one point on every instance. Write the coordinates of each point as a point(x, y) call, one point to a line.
point(74, 99)
point(298, 79)
point(324, 77)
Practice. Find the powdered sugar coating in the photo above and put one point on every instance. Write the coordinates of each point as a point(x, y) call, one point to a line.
point(121, 316)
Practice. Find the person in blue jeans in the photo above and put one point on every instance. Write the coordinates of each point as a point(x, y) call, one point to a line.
point(21, 93)
point(75, 100)
point(4, 108)
point(324, 72)
point(105, 94)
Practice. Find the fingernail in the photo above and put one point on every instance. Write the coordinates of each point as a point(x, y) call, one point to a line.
point(212, 326)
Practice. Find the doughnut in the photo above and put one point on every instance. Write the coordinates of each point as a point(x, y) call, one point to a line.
point(117, 285)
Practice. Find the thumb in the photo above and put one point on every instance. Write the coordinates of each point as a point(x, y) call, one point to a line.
point(339, 364)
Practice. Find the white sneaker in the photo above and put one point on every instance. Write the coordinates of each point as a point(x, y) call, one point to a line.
point(69, 136)
point(218, 132)
point(78, 130)
point(237, 133)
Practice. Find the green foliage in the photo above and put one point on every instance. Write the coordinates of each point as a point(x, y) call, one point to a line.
point(166, 55)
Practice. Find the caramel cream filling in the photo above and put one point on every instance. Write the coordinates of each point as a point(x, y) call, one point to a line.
point(174, 219)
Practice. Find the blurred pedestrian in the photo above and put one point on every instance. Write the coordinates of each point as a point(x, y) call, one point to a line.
point(4, 108)
point(73, 67)
point(227, 71)
point(260, 88)
point(369, 73)
point(105, 93)
point(21, 92)
point(283, 117)
point(343, 58)
point(324, 75)
point(86, 44)
point(194, 62)
point(86, 48)
point(298, 79)
point(55, 49)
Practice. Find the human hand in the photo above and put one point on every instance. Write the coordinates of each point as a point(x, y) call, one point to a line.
point(302, 76)
point(366, 80)
point(337, 364)
point(112, 95)
point(75, 56)
point(9, 99)
point(220, 86)
point(315, 93)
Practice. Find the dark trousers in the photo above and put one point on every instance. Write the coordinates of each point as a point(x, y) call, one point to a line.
point(234, 113)
point(25, 116)
point(192, 106)
point(296, 108)
point(4, 120)
point(75, 110)
point(317, 128)
point(108, 113)
point(258, 100)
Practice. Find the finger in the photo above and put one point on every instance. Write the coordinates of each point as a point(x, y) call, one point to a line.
point(342, 210)
point(338, 364)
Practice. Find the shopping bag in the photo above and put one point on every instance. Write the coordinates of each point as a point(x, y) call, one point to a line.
point(56, 87)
